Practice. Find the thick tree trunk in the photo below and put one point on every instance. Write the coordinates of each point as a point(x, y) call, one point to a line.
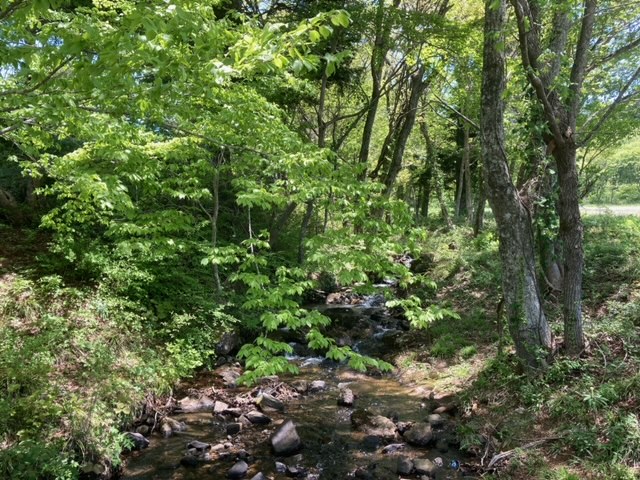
point(523, 306)
point(571, 235)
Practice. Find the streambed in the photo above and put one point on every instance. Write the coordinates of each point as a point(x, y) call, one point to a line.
point(333, 446)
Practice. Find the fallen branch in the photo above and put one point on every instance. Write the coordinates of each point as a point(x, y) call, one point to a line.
point(499, 457)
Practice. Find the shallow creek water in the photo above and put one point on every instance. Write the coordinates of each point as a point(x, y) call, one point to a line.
point(331, 448)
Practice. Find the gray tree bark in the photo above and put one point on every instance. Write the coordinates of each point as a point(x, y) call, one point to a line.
point(523, 306)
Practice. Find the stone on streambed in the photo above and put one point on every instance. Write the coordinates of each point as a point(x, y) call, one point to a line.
point(169, 426)
point(285, 440)
point(317, 386)
point(405, 466)
point(257, 418)
point(375, 425)
point(234, 428)
point(346, 398)
point(268, 403)
point(195, 405)
point(239, 470)
point(435, 420)
point(259, 476)
point(138, 440)
point(424, 466)
point(419, 435)
point(220, 407)
point(300, 386)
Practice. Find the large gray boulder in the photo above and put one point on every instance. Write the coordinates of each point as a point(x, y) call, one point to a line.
point(285, 440)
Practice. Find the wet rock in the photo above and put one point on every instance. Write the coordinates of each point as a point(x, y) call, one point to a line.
point(371, 424)
point(363, 474)
point(166, 430)
point(244, 420)
point(243, 455)
point(234, 428)
point(229, 375)
point(419, 435)
point(300, 386)
point(138, 441)
point(195, 405)
point(199, 446)
point(346, 398)
point(259, 476)
point(257, 418)
point(317, 386)
point(233, 412)
point(268, 402)
point(169, 426)
point(239, 470)
point(405, 466)
point(403, 426)
point(393, 448)
point(435, 420)
point(227, 343)
point(220, 407)
point(285, 440)
point(143, 429)
point(424, 466)
point(281, 467)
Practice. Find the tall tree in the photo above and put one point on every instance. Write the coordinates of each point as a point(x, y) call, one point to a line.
point(544, 40)
point(523, 303)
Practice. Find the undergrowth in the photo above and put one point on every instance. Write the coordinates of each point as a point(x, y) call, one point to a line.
point(74, 367)
point(587, 408)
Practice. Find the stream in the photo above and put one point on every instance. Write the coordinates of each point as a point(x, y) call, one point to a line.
point(389, 432)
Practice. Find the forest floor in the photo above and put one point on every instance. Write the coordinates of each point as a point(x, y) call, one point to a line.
point(577, 420)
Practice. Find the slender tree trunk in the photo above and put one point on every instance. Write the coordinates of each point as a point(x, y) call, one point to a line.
point(478, 222)
point(380, 48)
point(523, 306)
point(304, 230)
point(277, 226)
point(468, 197)
point(437, 178)
point(214, 222)
point(408, 120)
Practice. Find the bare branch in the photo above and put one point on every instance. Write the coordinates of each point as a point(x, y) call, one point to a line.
point(457, 112)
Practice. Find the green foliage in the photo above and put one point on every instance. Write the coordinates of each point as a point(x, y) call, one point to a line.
point(72, 370)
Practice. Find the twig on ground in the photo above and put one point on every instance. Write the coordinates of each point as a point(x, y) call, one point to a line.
point(499, 457)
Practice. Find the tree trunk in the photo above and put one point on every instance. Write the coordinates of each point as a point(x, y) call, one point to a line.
point(408, 120)
point(523, 306)
point(304, 230)
point(478, 222)
point(571, 235)
point(437, 178)
point(380, 49)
